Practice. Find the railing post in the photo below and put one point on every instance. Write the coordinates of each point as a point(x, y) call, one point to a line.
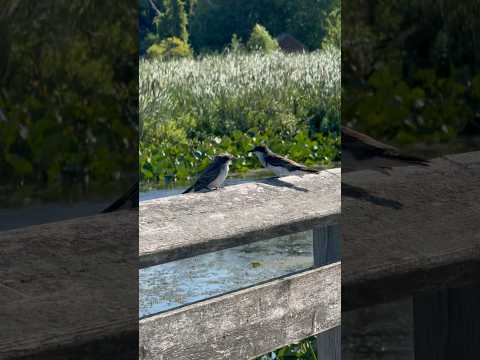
point(447, 324)
point(326, 250)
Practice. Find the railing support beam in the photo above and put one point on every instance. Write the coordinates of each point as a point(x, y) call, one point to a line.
point(326, 250)
point(447, 324)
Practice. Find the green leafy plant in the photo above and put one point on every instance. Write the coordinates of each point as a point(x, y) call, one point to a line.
point(333, 28)
point(260, 40)
point(305, 350)
point(236, 45)
point(66, 99)
point(169, 48)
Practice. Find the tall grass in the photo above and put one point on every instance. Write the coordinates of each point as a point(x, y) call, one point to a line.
point(191, 109)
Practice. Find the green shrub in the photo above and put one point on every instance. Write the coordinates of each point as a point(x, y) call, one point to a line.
point(170, 48)
point(236, 45)
point(333, 29)
point(260, 40)
point(147, 41)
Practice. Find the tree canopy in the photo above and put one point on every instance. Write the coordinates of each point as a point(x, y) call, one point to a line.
point(212, 23)
point(411, 68)
point(68, 92)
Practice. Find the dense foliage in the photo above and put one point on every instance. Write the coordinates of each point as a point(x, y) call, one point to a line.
point(211, 24)
point(68, 94)
point(260, 40)
point(192, 109)
point(169, 48)
point(411, 69)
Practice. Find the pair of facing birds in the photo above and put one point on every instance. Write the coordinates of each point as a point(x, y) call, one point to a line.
point(215, 174)
point(359, 152)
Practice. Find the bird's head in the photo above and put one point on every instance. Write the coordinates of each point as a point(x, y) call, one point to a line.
point(224, 158)
point(262, 149)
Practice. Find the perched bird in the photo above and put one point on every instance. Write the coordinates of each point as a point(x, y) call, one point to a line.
point(214, 175)
point(278, 164)
point(360, 152)
point(128, 200)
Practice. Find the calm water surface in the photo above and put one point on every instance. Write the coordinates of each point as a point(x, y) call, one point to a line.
point(173, 284)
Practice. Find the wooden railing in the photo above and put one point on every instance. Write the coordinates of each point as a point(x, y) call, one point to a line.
point(250, 322)
point(414, 230)
point(416, 234)
point(66, 287)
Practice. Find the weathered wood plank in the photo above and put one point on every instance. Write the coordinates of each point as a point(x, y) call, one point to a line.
point(192, 224)
point(246, 323)
point(387, 252)
point(431, 325)
point(417, 229)
point(329, 344)
point(447, 324)
point(326, 250)
point(67, 286)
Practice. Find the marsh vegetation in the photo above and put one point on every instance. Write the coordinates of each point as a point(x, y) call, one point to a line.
point(191, 109)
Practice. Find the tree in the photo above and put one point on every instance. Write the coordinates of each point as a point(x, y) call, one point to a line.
point(260, 40)
point(179, 20)
point(215, 21)
point(190, 7)
point(68, 93)
point(333, 28)
point(161, 19)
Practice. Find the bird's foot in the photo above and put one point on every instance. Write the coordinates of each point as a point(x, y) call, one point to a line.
point(213, 188)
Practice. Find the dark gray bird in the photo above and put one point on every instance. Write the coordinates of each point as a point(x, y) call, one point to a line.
point(360, 152)
point(128, 200)
point(280, 165)
point(214, 175)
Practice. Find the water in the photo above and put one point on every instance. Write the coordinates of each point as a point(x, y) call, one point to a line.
point(167, 286)
point(14, 218)
point(173, 284)
point(157, 190)
point(164, 191)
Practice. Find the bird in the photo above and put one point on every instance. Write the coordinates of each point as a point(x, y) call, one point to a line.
point(280, 165)
point(214, 175)
point(361, 152)
point(128, 200)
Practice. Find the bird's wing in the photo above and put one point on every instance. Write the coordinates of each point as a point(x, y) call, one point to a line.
point(207, 176)
point(277, 160)
point(131, 196)
point(363, 147)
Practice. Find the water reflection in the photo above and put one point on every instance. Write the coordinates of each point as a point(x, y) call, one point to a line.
point(170, 285)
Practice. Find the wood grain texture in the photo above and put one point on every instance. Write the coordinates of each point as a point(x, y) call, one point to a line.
point(69, 285)
point(246, 323)
point(447, 324)
point(326, 250)
point(192, 224)
point(329, 344)
point(414, 230)
point(431, 325)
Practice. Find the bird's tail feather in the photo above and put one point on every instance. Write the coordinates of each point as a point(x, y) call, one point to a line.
point(411, 159)
point(188, 190)
point(131, 195)
point(313, 171)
